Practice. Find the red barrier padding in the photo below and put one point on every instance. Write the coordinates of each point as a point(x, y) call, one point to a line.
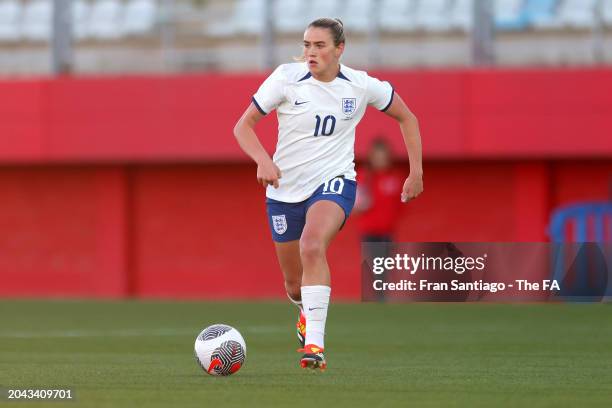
point(200, 231)
point(63, 232)
point(477, 114)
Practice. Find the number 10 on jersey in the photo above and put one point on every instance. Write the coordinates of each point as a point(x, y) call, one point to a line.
point(327, 127)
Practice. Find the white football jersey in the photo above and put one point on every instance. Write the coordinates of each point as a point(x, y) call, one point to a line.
point(316, 124)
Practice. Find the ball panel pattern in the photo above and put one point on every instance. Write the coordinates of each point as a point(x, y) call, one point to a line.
point(227, 358)
point(214, 331)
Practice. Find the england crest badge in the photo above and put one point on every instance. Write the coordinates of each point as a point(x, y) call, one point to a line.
point(349, 105)
point(280, 224)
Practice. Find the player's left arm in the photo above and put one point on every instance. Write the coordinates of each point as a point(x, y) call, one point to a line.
point(409, 126)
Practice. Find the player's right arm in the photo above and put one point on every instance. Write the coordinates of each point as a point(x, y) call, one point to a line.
point(268, 173)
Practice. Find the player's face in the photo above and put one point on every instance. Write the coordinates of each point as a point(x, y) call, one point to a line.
point(380, 158)
point(320, 53)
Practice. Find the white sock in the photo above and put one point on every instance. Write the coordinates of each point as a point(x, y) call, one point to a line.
point(315, 300)
point(298, 303)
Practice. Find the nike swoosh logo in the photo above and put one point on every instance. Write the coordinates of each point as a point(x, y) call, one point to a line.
point(315, 308)
point(300, 103)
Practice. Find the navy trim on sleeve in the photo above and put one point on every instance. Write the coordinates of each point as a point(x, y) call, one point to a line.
point(341, 75)
point(263, 112)
point(390, 101)
point(308, 75)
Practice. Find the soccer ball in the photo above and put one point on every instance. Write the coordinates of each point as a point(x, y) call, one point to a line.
point(220, 350)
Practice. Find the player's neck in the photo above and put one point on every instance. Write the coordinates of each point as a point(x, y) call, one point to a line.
point(328, 75)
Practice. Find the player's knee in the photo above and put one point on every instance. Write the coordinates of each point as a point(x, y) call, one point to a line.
point(294, 289)
point(311, 250)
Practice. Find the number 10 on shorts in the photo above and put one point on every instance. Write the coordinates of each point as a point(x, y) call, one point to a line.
point(333, 186)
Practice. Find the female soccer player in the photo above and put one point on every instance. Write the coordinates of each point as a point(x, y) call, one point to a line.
point(310, 182)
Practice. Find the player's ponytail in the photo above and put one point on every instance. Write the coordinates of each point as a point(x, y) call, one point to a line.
point(335, 25)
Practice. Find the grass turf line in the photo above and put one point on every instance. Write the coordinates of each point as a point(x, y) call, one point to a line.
point(121, 354)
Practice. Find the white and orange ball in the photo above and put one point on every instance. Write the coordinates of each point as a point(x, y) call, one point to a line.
point(220, 350)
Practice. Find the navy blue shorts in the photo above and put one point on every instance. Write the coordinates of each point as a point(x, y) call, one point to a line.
point(287, 220)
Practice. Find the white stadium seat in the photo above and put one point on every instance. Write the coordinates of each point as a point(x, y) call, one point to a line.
point(322, 8)
point(247, 18)
point(578, 13)
point(139, 17)
point(433, 15)
point(105, 19)
point(290, 16)
point(509, 14)
point(398, 15)
point(356, 15)
point(37, 20)
point(10, 16)
point(80, 19)
point(250, 17)
point(462, 14)
point(606, 14)
point(542, 13)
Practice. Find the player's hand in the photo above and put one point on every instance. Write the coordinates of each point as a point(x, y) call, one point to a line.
point(413, 186)
point(268, 174)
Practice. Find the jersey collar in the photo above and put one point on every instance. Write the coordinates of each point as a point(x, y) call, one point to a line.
point(340, 75)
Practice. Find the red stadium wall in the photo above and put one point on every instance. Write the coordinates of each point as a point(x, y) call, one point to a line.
point(135, 186)
point(463, 114)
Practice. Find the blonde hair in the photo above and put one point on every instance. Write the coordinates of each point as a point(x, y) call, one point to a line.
point(334, 25)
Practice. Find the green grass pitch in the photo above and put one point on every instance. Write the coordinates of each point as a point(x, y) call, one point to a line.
point(137, 353)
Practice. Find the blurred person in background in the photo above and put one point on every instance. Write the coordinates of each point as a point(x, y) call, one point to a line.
point(310, 182)
point(379, 185)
